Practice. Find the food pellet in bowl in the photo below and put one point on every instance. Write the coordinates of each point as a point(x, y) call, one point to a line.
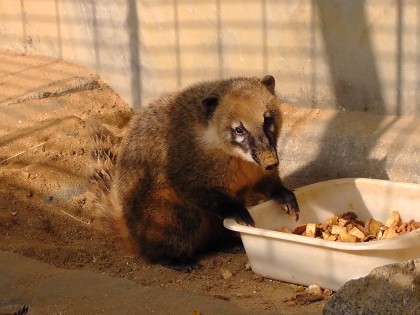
point(348, 228)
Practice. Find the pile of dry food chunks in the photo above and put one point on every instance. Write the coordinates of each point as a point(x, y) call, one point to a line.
point(347, 228)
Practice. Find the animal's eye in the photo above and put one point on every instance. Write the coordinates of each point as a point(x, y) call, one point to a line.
point(239, 131)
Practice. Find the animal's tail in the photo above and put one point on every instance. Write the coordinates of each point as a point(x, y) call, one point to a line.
point(104, 155)
point(107, 209)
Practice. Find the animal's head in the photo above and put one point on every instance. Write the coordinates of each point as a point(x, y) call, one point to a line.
point(243, 119)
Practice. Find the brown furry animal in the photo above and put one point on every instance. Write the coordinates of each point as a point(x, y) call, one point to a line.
point(186, 163)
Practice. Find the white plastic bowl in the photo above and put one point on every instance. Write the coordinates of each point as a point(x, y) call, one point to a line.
point(304, 260)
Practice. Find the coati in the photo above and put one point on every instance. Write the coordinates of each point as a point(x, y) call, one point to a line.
point(186, 163)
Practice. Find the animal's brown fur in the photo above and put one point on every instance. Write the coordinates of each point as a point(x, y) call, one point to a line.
point(186, 163)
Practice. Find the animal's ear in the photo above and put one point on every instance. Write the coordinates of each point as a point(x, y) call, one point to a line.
point(210, 103)
point(270, 83)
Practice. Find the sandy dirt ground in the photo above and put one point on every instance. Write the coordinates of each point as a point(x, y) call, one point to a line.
point(45, 212)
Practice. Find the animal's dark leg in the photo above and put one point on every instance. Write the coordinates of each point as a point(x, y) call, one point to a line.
point(232, 243)
point(183, 264)
point(175, 257)
point(218, 201)
point(287, 198)
point(216, 237)
point(168, 230)
point(272, 187)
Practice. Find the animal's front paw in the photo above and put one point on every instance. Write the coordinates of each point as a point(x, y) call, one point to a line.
point(245, 219)
point(288, 200)
point(184, 265)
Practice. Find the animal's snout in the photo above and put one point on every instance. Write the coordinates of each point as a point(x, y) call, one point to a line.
point(271, 166)
point(269, 160)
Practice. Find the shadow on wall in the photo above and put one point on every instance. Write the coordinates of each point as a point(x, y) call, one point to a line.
point(133, 29)
point(356, 86)
point(349, 53)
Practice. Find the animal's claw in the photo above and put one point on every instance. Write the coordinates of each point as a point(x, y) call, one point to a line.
point(290, 204)
point(248, 221)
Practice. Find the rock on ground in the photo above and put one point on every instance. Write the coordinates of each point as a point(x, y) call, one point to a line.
point(391, 289)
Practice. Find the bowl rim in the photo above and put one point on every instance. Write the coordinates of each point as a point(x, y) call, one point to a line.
point(400, 242)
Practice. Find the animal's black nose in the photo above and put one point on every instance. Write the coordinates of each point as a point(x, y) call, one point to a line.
point(270, 167)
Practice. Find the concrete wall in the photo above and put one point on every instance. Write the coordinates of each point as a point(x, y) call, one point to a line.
point(350, 55)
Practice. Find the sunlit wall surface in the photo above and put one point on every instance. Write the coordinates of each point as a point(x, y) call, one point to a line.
point(348, 55)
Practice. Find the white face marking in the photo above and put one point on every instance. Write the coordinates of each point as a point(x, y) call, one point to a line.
point(211, 137)
point(243, 155)
point(271, 127)
point(238, 137)
point(267, 115)
point(236, 124)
